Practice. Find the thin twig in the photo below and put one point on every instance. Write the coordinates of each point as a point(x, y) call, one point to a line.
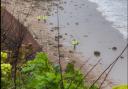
point(83, 64)
point(109, 66)
point(106, 76)
point(62, 84)
point(87, 73)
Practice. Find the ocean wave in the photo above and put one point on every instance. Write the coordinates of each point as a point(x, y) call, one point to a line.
point(116, 12)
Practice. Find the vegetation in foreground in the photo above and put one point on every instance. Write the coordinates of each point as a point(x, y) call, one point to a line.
point(39, 73)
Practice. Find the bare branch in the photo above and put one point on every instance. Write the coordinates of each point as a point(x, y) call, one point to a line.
point(109, 66)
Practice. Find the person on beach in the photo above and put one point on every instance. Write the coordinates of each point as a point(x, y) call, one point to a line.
point(74, 43)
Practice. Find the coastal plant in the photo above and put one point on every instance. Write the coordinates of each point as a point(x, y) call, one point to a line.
point(3, 56)
point(120, 87)
point(5, 72)
point(41, 74)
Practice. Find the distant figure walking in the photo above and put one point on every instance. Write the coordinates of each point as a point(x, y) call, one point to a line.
point(74, 43)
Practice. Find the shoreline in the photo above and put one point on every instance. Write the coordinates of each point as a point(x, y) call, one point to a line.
point(94, 33)
point(107, 14)
point(50, 46)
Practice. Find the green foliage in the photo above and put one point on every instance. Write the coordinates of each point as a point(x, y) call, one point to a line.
point(42, 73)
point(6, 69)
point(70, 68)
point(120, 87)
point(39, 73)
point(39, 64)
point(5, 72)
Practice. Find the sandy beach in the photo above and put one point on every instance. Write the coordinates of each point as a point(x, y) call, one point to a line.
point(79, 20)
point(94, 33)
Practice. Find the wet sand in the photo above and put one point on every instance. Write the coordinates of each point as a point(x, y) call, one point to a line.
point(83, 22)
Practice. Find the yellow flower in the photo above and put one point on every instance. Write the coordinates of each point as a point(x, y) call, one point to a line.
point(120, 87)
point(6, 68)
point(4, 55)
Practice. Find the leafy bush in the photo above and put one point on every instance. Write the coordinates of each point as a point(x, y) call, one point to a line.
point(39, 73)
point(5, 72)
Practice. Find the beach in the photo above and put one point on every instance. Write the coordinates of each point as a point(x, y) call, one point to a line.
point(82, 21)
point(94, 33)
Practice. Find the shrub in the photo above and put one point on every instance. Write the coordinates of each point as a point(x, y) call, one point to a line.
point(39, 73)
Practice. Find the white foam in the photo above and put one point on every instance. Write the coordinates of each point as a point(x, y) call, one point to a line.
point(116, 12)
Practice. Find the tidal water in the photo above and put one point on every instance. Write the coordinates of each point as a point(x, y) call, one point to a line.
point(116, 12)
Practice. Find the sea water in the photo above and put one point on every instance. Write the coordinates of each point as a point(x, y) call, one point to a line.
point(116, 12)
